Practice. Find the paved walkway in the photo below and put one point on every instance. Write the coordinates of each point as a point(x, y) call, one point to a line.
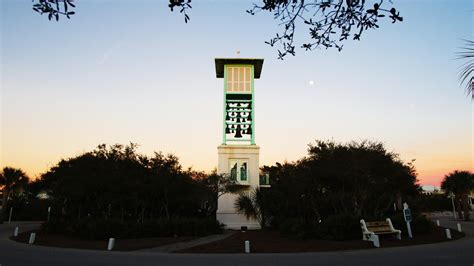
point(459, 252)
point(189, 244)
point(447, 220)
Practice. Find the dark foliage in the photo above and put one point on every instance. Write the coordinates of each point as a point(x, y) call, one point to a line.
point(329, 22)
point(337, 181)
point(334, 227)
point(460, 184)
point(432, 203)
point(340, 227)
point(298, 228)
point(420, 224)
point(466, 72)
point(54, 8)
point(27, 207)
point(255, 205)
point(216, 185)
point(115, 184)
point(12, 181)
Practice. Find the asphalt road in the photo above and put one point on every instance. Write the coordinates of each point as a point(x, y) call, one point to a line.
point(459, 252)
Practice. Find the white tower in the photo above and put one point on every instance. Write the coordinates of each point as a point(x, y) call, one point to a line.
point(238, 156)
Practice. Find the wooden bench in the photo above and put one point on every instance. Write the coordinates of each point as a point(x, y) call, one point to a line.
point(372, 230)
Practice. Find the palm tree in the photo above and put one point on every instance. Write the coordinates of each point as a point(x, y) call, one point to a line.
point(460, 183)
point(252, 205)
point(11, 179)
point(466, 74)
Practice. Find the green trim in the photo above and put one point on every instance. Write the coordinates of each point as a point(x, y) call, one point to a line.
point(238, 123)
point(240, 101)
point(224, 140)
point(252, 110)
point(252, 141)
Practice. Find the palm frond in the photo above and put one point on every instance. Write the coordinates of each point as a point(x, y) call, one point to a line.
point(245, 205)
point(466, 72)
point(13, 178)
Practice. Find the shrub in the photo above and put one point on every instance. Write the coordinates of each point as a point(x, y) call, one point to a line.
point(419, 225)
point(335, 227)
point(27, 208)
point(53, 227)
point(431, 203)
point(340, 227)
point(422, 225)
point(298, 228)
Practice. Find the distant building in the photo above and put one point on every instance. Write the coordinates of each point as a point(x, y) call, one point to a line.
point(431, 190)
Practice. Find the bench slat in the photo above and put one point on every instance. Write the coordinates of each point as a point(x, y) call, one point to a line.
point(381, 223)
point(379, 228)
point(385, 233)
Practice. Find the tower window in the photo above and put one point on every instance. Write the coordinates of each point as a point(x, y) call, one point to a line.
point(243, 172)
point(239, 170)
point(238, 79)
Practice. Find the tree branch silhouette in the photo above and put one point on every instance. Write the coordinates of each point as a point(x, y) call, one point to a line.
point(329, 22)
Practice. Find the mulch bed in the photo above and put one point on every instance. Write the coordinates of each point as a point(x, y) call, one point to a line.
point(262, 241)
point(271, 242)
point(54, 240)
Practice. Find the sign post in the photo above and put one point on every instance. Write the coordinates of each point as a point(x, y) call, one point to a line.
point(10, 216)
point(451, 195)
point(408, 218)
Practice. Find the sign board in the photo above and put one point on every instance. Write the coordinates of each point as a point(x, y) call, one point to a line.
point(407, 215)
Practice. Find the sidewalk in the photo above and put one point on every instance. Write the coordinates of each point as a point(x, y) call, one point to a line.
point(449, 222)
point(189, 244)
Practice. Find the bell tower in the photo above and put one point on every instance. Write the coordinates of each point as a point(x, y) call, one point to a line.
point(238, 155)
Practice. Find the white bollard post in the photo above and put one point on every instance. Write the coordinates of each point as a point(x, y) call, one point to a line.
point(448, 233)
point(437, 223)
point(459, 227)
point(10, 216)
point(32, 238)
point(111, 244)
point(247, 246)
point(15, 233)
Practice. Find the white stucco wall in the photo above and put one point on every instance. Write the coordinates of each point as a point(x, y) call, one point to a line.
point(226, 213)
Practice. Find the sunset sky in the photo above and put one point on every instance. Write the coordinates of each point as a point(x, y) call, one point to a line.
point(123, 71)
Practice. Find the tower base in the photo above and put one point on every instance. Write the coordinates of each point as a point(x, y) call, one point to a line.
point(226, 213)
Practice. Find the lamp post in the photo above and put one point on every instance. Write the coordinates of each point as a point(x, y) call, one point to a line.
point(451, 195)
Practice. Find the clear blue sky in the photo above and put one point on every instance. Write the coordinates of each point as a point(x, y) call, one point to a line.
point(123, 70)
